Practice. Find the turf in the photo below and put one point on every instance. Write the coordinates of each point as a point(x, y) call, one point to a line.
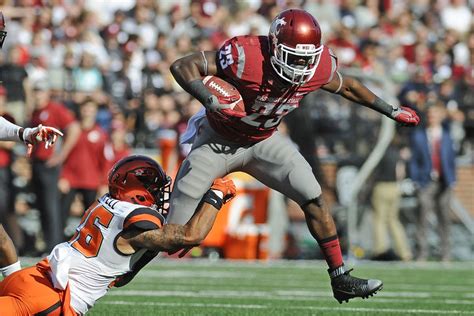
point(169, 287)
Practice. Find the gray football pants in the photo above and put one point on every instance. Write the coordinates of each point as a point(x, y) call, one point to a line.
point(274, 161)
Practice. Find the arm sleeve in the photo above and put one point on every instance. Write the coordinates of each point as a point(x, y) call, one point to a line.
point(8, 130)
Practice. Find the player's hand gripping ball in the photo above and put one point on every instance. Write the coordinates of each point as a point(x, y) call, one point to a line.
point(227, 98)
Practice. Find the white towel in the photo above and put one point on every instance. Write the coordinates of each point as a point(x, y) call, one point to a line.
point(193, 126)
point(60, 263)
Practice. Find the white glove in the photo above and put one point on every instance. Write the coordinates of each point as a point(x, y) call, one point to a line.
point(46, 134)
point(216, 104)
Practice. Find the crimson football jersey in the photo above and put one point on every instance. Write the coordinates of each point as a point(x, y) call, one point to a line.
point(244, 61)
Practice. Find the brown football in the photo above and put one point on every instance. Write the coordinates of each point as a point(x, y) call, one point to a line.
point(225, 91)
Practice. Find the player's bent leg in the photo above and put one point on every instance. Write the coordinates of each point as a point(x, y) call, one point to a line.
point(277, 163)
point(344, 286)
point(195, 177)
point(319, 218)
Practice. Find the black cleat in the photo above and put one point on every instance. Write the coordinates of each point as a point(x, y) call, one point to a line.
point(345, 286)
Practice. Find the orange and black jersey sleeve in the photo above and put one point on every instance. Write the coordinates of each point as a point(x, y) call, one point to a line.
point(143, 218)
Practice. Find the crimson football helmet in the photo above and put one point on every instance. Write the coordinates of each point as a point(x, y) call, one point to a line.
point(295, 45)
point(140, 180)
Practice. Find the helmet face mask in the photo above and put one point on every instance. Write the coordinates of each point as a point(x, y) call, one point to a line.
point(285, 62)
point(295, 46)
point(140, 180)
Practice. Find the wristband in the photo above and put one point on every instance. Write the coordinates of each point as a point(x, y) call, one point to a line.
point(383, 107)
point(20, 134)
point(212, 198)
point(14, 267)
point(199, 91)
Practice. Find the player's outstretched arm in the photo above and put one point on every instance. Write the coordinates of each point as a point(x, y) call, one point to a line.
point(352, 89)
point(30, 136)
point(173, 236)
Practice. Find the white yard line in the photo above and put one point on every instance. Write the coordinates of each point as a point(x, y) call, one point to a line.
point(194, 277)
point(384, 296)
point(171, 273)
point(306, 264)
point(310, 308)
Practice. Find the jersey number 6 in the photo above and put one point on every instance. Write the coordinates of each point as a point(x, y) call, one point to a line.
point(88, 238)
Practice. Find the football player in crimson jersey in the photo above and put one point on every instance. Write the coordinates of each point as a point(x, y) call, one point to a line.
point(30, 136)
point(119, 234)
point(272, 73)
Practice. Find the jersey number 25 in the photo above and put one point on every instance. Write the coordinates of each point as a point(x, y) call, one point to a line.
point(225, 56)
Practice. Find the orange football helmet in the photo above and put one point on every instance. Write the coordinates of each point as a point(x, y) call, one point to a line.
point(140, 180)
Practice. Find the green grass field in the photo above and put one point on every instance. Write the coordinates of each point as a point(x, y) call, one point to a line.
point(184, 287)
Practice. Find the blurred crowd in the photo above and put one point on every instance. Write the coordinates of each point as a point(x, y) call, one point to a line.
point(99, 70)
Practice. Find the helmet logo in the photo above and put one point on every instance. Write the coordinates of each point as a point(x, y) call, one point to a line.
point(116, 177)
point(278, 22)
point(275, 29)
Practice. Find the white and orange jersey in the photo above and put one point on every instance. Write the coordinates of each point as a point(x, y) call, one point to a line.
point(90, 262)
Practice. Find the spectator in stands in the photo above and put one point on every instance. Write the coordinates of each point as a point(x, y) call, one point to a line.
point(433, 169)
point(87, 77)
point(117, 148)
point(457, 16)
point(118, 85)
point(15, 80)
point(386, 203)
point(84, 170)
point(47, 162)
point(7, 194)
point(62, 80)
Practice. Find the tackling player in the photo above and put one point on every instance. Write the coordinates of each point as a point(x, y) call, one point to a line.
point(272, 73)
point(30, 136)
point(119, 233)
